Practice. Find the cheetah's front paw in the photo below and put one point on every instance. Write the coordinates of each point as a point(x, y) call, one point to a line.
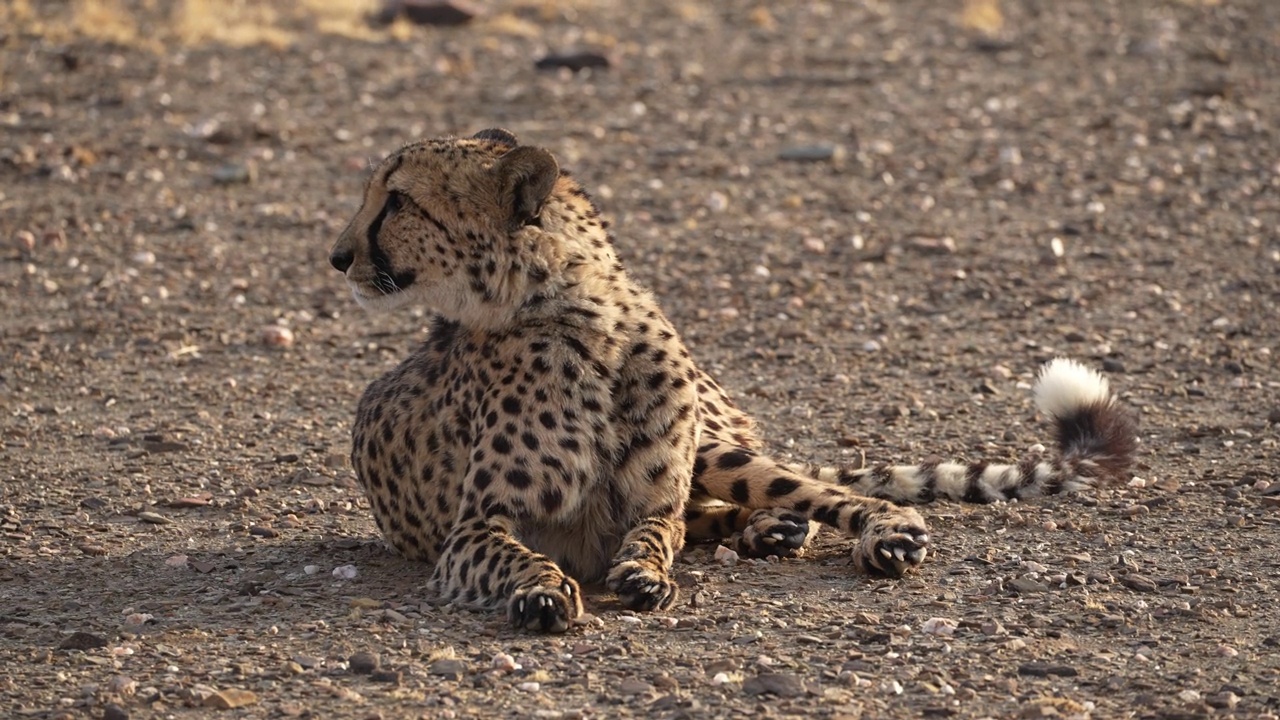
point(548, 609)
point(641, 587)
point(893, 544)
point(773, 531)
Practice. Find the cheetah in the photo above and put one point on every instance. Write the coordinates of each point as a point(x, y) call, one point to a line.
point(553, 428)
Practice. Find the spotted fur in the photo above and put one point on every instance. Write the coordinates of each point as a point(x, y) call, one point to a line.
point(553, 426)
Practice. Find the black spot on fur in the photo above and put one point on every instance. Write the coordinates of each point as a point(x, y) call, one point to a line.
point(733, 459)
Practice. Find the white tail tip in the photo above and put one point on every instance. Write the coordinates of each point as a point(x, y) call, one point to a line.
point(1064, 387)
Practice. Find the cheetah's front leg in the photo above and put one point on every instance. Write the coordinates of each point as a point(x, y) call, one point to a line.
point(483, 564)
point(640, 572)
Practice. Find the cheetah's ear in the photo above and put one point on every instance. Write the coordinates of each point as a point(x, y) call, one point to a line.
point(498, 135)
point(526, 176)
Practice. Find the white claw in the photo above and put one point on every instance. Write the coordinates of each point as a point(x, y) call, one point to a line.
point(769, 540)
point(900, 554)
point(923, 539)
point(777, 536)
point(886, 552)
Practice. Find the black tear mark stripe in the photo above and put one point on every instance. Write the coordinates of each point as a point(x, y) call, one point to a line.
point(378, 256)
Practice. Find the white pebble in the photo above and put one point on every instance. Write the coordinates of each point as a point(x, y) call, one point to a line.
point(311, 569)
point(144, 257)
point(138, 618)
point(721, 679)
point(942, 627)
point(506, 663)
point(891, 687)
point(1189, 696)
point(870, 346)
point(346, 572)
point(726, 556)
point(25, 240)
point(816, 245)
point(1137, 482)
point(530, 686)
point(1055, 245)
point(717, 201)
point(630, 620)
point(277, 336)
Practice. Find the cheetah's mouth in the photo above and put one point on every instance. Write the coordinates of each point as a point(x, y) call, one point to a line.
point(387, 280)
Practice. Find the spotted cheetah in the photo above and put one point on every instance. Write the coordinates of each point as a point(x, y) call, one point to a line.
point(553, 426)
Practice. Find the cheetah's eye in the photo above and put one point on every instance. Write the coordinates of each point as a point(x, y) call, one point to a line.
point(395, 201)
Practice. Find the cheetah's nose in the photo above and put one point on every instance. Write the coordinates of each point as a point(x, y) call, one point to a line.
point(341, 259)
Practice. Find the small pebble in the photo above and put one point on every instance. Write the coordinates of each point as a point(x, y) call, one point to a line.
point(505, 663)
point(24, 240)
point(725, 556)
point(277, 336)
point(941, 627)
point(451, 668)
point(814, 153)
point(364, 663)
point(633, 686)
point(783, 685)
point(1026, 585)
point(346, 572)
point(154, 518)
point(529, 686)
point(122, 685)
point(1139, 583)
point(573, 61)
point(230, 699)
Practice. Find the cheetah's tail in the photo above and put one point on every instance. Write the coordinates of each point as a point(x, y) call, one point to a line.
point(1097, 439)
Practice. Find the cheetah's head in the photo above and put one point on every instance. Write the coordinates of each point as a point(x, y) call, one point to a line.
point(466, 226)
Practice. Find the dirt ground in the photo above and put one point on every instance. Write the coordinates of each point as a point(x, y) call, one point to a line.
point(872, 220)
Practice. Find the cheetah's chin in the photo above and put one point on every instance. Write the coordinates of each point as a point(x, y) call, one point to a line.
point(372, 299)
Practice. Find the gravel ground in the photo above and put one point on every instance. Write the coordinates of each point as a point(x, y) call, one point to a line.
point(872, 220)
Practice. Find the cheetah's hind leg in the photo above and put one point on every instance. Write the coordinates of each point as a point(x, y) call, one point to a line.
point(754, 533)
